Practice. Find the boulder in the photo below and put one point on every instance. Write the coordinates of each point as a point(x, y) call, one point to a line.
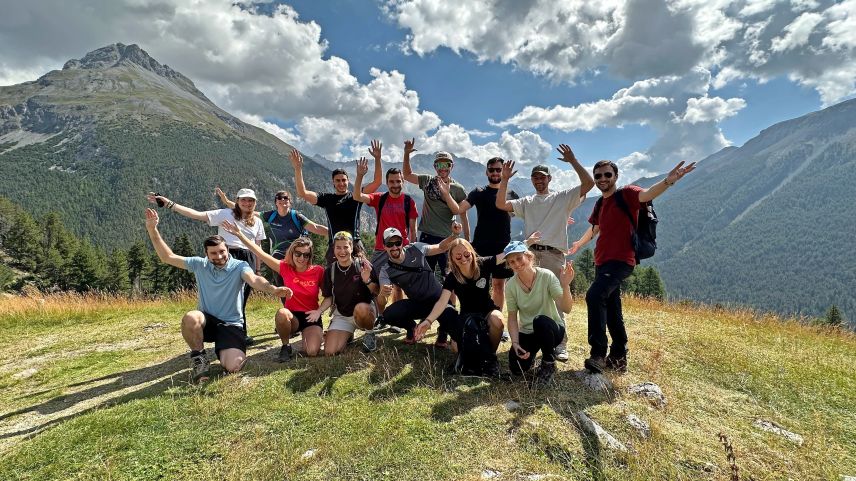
point(590, 426)
point(774, 428)
point(649, 391)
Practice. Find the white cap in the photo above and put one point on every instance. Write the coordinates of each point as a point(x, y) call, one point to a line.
point(246, 193)
point(391, 232)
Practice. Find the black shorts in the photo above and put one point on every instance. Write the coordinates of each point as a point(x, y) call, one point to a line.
point(224, 336)
point(303, 321)
point(501, 271)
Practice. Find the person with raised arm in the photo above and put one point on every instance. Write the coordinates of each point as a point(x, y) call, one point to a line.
point(613, 223)
point(220, 279)
point(343, 212)
point(243, 213)
point(304, 279)
point(349, 286)
point(534, 297)
point(548, 212)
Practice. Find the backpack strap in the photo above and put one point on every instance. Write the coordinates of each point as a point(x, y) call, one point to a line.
point(407, 215)
point(623, 206)
point(380, 204)
point(272, 216)
point(297, 223)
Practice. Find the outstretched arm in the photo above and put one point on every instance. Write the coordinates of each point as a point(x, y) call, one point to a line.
point(443, 246)
point(299, 185)
point(587, 236)
point(586, 181)
point(165, 254)
point(317, 229)
point(405, 169)
point(268, 259)
point(507, 173)
point(673, 176)
point(178, 209)
point(223, 199)
point(360, 193)
point(259, 283)
point(438, 309)
point(375, 151)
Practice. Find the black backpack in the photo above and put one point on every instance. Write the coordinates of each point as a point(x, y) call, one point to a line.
point(475, 351)
point(380, 204)
point(644, 236)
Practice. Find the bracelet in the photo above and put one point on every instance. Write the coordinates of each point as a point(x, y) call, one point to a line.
point(666, 181)
point(170, 205)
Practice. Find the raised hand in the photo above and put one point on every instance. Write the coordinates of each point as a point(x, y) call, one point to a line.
point(152, 219)
point(220, 194)
point(457, 228)
point(376, 149)
point(534, 238)
point(230, 227)
point(365, 269)
point(296, 159)
point(420, 330)
point(567, 154)
point(443, 187)
point(508, 170)
point(362, 166)
point(283, 292)
point(157, 199)
point(566, 275)
point(679, 171)
point(409, 146)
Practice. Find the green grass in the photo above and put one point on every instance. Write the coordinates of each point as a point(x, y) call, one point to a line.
point(97, 389)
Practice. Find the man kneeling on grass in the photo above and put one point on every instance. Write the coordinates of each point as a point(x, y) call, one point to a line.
point(220, 280)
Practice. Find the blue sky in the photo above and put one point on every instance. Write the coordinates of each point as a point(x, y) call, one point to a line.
point(479, 78)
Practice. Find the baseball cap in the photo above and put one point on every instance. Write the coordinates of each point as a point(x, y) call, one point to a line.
point(246, 193)
point(515, 247)
point(444, 156)
point(391, 232)
point(540, 169)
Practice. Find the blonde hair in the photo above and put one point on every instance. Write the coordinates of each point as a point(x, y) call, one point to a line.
point(456, 271)
point(299, 242)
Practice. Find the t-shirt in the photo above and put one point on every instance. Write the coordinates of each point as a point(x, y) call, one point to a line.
point(343, 213)
point(221, 290)
point(614, 241)
point(540, 300)
point(255, 232)
point(349, 288)
point(305, 286)
point(283, 230)
point(549, 214)
point(493, 229)
point(392, 216)
point(413, 275)
point(474, 294)
point(436, 215)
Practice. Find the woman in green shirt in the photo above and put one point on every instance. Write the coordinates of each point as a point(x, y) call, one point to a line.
point(533, 297)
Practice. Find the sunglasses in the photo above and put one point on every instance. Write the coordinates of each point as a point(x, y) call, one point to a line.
point(393, 243)
point(442, 165)
point(465, 255)
point(299, 254)
point(493, 170)
point(282, 197)
point(606, 175)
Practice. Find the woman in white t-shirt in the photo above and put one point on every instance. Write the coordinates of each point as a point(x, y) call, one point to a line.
point(243, 215)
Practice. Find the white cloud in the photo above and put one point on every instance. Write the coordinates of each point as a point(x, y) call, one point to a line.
point(524, 146)
point(711, 109)
point(797, 33)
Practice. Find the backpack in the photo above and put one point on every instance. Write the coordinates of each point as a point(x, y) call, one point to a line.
point(475, 352)
point(293, 219)
point(380, 204)
point(644, 236)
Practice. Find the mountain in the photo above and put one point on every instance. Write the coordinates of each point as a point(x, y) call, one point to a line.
point(89, 140)
point(770, 224)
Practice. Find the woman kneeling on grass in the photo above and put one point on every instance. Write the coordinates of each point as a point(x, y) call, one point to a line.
point(534, 322)
point(348, 286)
point(304, 280)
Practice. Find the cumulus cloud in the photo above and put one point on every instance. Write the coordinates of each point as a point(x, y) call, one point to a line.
point(524, 146)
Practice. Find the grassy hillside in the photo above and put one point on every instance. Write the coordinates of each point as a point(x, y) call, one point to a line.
point(97, 389)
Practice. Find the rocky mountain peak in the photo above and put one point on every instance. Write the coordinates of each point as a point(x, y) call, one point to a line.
point(118, 54)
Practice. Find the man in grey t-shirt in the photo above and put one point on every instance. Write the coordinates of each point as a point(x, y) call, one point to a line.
point(407, 267)
point(547, 212)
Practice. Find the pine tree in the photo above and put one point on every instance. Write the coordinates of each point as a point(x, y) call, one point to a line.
point(7, 277)
point(182, 278)
point(649, 283)
point(833, 317)
point(23, 242)
point(85, 270)
point(584, 269)
point(116, 279)
point(54, 270)
point(56, 236)
point(158, 276)
point(138, 263)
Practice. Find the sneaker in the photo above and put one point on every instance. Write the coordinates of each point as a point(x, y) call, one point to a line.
point(249, 341)
point(494, 371)
point(199, 367)
point(595, 364)
point(615, 363)
point(561, 353)
point(369, 341)
point(285, 354)
point(544, 374)
point(350, 339)
point(394, 330)
point(505, 337)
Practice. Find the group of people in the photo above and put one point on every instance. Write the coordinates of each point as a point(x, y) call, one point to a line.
point(397, 284)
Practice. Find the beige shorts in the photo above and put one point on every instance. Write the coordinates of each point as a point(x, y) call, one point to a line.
point(338, 322)
point(552, 259)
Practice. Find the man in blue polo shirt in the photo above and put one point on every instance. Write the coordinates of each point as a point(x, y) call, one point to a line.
point(220, 280)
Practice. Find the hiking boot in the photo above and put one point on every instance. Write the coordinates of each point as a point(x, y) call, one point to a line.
point(369, 341)
point(595, 364)
point(249, 341)
point(561, 353)
point(350, 339)
point(505, 337)
point(615, 363)
point(494, 371)
point(199, 367)
point(544, 374)
point(285, 354)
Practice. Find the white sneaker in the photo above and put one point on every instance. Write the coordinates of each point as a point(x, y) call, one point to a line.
point(561, 353)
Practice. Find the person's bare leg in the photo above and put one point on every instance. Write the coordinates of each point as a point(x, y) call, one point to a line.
point(192, 326)
point(232, 359)
point(312, 340)
point(335, 342)
point(496, 325)
point(284, 321)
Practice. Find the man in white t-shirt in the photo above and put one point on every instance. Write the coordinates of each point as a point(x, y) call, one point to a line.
point(547, 212)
